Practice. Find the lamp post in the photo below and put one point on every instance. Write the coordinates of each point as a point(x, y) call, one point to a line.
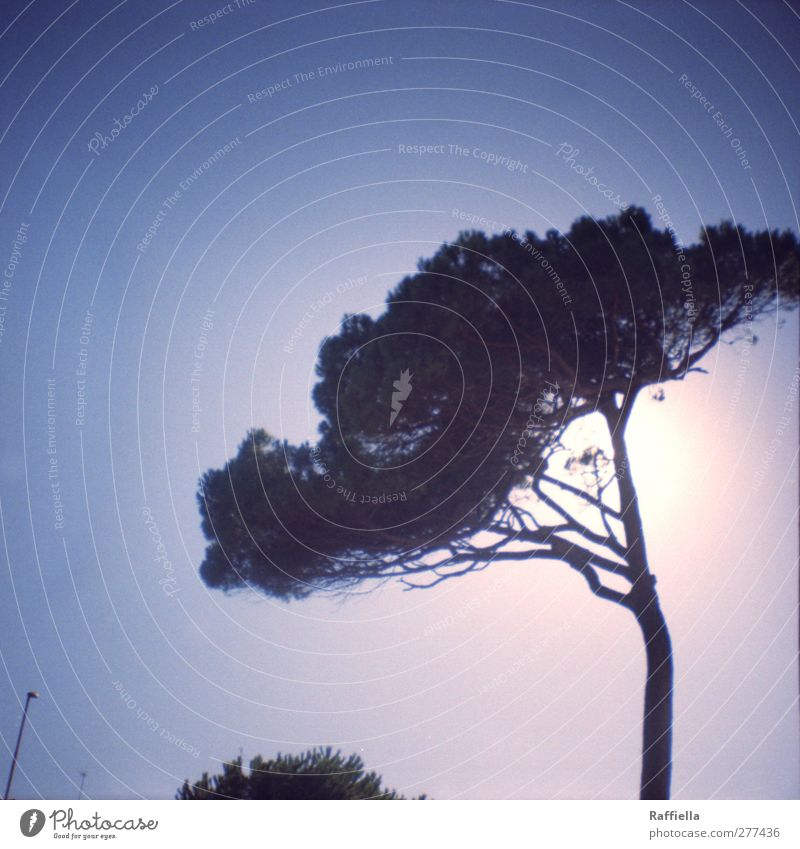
point(31, 695)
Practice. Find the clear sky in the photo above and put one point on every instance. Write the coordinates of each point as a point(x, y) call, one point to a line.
point(171, 278)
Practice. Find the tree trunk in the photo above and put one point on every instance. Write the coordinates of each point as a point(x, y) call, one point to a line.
point(643, 601)
point(657, 726)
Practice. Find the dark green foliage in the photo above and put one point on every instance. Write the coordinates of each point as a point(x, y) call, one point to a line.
point(316, 774)
point(487, 329)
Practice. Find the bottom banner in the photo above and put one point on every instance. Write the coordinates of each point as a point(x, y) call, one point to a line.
point(428, 823)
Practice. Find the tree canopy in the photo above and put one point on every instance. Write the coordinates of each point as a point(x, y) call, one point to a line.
point(496, 345)
point(315, 774)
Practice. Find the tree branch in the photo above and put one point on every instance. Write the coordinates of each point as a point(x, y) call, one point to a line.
point(572, 524)
point(580, 493)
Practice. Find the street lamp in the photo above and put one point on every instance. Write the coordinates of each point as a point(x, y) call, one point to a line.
point(31, 695)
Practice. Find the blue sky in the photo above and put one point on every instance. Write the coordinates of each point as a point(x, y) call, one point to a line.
point(261, 207)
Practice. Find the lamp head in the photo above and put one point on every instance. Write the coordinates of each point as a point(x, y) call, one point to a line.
point(32, 694)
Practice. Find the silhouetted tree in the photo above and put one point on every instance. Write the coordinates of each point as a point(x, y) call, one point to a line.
point(316, 774)
point(444, 422)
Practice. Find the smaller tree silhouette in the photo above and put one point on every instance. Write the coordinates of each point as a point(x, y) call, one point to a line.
point(315, 774)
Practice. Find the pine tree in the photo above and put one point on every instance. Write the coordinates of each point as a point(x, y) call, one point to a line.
point(444, 420)
point(315, 774)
